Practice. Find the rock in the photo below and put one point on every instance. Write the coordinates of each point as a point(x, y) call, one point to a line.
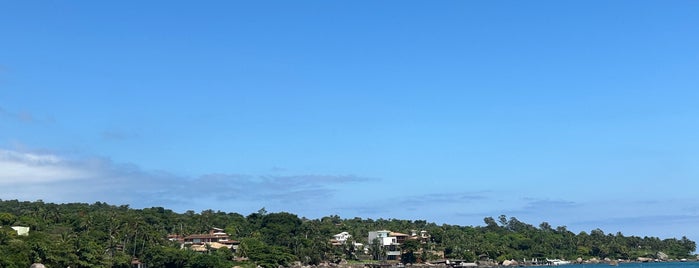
point(594, 260)
point(579, 260)
point(487, 263)
point(37, 265)
point(514, 263)
point(662, 256)
point(506, 263)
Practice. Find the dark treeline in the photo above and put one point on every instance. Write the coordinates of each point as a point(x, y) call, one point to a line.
point(102, 235)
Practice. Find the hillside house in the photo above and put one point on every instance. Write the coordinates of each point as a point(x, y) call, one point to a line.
point(340, 239)
point(343, 238)
point(423, 237)
point(216, 238)
point(390, 241)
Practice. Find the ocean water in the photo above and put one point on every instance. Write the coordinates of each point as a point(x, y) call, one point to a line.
point(691, 264)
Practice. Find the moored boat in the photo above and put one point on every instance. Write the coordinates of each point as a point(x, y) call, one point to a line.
point(557, 262)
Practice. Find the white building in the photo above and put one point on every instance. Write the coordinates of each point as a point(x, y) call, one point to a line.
point(389, 241)
point(342, 237)
point(384, 237)
point(21, 230)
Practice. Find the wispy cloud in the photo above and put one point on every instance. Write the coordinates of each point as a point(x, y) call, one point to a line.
point(22, 116)
point(27, 168)
point(56, 177)
point(116, 135)
point(277, 169)
point(548, 205)
point(293, 189)
point(443, 198)
point(429, 204)
point(59, 178)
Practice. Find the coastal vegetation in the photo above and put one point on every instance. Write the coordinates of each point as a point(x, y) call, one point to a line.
point(102, 235)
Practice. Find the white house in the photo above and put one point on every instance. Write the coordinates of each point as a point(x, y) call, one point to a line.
point(342, 237)
point(383, 236)
point(389, 241)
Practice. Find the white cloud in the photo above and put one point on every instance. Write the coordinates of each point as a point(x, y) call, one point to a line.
point(58, 178)
point(24, 168)
point(271, 188)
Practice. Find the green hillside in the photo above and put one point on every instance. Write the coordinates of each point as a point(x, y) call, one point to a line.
point(102, 235)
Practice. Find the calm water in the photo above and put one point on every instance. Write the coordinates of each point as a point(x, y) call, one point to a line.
point(636, 265)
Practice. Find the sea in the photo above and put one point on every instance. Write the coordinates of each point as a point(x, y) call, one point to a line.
point(689, 264)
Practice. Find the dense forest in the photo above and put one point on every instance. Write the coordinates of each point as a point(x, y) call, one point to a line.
point(102, 235)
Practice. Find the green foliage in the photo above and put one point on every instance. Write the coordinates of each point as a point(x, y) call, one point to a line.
point(209, 261)
point(376, 250)
point(6, 218)
point(101, 235)
point(266, 255)
point(409, 249)
point(168, 257)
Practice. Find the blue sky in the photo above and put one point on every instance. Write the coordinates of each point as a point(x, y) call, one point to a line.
point(578, 113)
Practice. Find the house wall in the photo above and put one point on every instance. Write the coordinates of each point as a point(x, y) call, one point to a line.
point(389, 243)
point(21, 230)
point(381, 235)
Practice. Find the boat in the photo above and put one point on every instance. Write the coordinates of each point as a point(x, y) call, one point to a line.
point(556, 262)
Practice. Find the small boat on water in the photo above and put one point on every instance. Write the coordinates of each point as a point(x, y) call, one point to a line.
point(465, 264)
point(556, 262)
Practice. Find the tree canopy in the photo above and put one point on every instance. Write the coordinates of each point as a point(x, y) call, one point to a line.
point(103, 235)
